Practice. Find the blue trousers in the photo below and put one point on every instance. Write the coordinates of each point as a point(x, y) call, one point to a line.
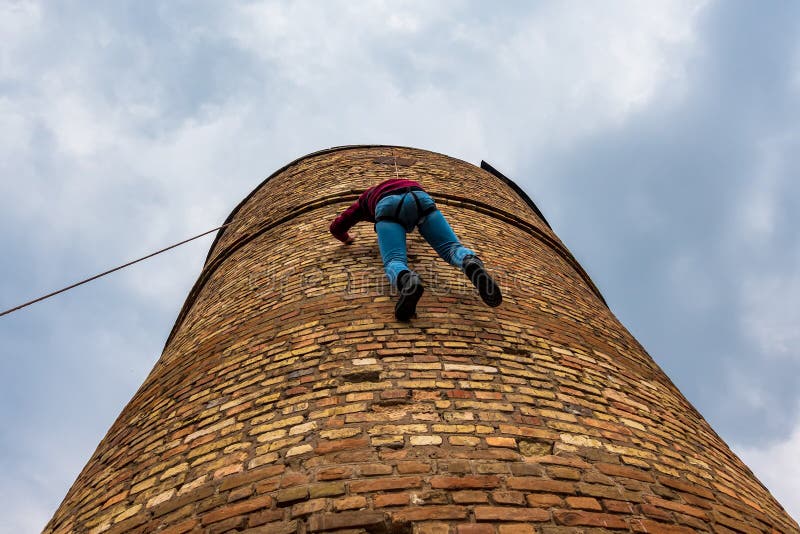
point(433, 227)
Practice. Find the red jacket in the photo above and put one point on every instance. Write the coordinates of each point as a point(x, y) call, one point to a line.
point(363, 209)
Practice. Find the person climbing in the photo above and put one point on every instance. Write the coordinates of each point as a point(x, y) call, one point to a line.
point(397, 206)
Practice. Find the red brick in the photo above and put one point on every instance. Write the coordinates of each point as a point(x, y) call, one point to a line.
point(232, 524)
point(427, 513)
point(654, 527)
point(325, 447)
point(265, 501)
point(181, 528)
point(354, 457)
point(509, 497)
point(734, 524)
point(466, 482)
point(294, 478)
point(469, 497)
point(455, 466)
point(432, 528)
point(334, 473)
point(270, 484)
point(364, 519)
point(384, 484)
point(619, 507)
point(526, 469)
point(119, 497)
point(562, 472)
point(516, 528)
point(542, 501)
point(539, 484)
point(475, 528)
point(179, 501)
point(698, 501)
point(656, 513)
point(265, 516)
point(250, 476)
point(240, 493)
point(504, 513)
point(600, 490)
point(677, 507)
point(498, 441)
point(624, 471)
point(391, 499)
point(391, 394)
point(405, 468)
point(595, 477)
point(563, 460)
point(308, 507)
point(575, 518)
point(681, 485)
point(326, 489)
point(368, 470)
point(349, 503)
point(583, 503)
point(530, 432)
point(422, 395)
point(291, 495)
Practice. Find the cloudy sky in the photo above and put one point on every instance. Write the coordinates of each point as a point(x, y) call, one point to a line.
point(659, 138)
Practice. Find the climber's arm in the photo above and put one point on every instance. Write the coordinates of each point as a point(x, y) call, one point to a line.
point(345, 221)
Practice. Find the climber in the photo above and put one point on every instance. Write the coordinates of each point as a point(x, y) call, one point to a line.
point(396, 206)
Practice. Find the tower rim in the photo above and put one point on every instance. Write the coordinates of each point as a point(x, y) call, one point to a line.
point(484, 166)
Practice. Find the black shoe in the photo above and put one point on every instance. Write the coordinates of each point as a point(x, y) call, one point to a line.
point(410, 288)
point(487, 287)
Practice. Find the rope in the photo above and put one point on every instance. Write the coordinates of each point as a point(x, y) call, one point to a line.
point(95, 277)
point(396, 172)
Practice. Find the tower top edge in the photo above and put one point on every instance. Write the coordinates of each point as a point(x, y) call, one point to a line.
point(323, 152)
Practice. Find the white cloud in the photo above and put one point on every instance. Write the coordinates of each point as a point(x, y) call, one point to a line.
point(777, 467)
point(611, 61)
point(769, 293)
point(372, 73)
point(542, 76)
point(760, 198)
point(747, 390)
point(28, 513)
point(18, 21)
point(771, 315)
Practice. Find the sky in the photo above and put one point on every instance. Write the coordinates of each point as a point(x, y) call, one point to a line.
point(659, 139)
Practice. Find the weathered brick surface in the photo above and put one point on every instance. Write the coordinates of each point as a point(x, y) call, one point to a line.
point(287, 399)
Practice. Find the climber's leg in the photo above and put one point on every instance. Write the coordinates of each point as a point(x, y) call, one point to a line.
point(396, 216)
point(392, 243)
point(410, 288)
point(438, 233)
point(480, 278)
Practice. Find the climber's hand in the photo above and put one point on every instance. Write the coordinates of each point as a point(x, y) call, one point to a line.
point(349, 240)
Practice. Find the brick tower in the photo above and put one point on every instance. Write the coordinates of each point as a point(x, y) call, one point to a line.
point(288, 400)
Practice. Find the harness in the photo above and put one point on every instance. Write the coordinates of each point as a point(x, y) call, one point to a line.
point(395, 217)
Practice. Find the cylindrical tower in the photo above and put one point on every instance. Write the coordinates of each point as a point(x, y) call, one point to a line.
point(289, 400)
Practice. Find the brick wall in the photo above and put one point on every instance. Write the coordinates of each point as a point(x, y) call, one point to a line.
point(288, 400)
